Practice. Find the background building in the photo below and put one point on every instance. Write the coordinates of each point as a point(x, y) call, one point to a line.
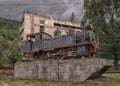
point(31, 24)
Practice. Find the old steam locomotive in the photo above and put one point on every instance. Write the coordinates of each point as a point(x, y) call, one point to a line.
point(73, 45)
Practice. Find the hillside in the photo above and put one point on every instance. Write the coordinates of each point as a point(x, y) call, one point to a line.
point(9, 39)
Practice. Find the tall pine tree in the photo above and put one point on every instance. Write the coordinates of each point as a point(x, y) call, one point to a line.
point(72, 17)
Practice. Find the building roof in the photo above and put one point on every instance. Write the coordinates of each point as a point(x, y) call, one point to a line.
point(37, 34)
point(51, 18)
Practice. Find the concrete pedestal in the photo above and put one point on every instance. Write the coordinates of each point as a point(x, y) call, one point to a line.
point(72, 70)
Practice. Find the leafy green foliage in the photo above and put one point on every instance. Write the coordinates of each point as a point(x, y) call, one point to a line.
point(9, 43)
point(104, 15)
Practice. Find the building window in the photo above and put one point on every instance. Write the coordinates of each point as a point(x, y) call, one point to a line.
point(42, 21)
point(40, 36)
point(22, 21)
point(57, 24)
point(41, 28)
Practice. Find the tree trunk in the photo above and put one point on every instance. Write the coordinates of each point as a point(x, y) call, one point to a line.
point(116, 63)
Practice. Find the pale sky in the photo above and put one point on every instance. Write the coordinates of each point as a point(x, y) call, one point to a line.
point(12, 9)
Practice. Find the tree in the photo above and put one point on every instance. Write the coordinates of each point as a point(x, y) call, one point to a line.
point(3, 48)
point(14, 53)
point(72, 17)
point(104, 15)
point(9, 43)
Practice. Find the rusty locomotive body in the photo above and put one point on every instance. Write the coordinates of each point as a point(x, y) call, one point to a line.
point(72, 45)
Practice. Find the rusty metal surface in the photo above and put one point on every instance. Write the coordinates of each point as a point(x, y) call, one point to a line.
point(26, 45)
point(53, 42)
point(62, 42)
point(41, 36)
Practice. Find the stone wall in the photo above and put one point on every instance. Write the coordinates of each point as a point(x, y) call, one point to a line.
point(73, 70)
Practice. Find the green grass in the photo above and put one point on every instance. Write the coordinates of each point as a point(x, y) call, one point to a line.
point(107, 79)
point(114, 71)
point(112, 75)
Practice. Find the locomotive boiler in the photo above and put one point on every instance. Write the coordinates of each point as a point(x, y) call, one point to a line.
point(73, 45)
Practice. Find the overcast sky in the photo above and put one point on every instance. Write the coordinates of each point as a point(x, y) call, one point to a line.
point(12, 9)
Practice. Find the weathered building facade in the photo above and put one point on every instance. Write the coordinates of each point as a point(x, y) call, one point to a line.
point(31, 24)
